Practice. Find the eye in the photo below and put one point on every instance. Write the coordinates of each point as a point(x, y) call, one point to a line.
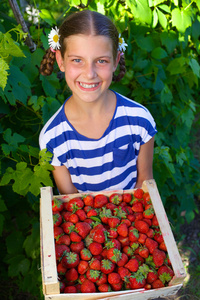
point(77, 60)
point(102, 61)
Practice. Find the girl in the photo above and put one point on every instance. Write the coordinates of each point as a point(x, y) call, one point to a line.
point(99, 139)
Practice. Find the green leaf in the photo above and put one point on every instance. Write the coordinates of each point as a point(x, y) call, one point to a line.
point(166, 95)
point(162, 19)
point(169, 40)
point(32, 242)
point(18, 265)
point(177, 65)
point(141, 10)
point(14, 243)
point(164, 154)
point(181, 19)
point(195, 67)
point(12, 140)
point(159, 53)
point(9, 47)
point(165, 7)
point(4, 67)
point(47, 16)
point(155, 18)
point(2, 219)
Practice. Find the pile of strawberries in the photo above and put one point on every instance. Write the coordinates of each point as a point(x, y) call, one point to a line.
point(109, 243)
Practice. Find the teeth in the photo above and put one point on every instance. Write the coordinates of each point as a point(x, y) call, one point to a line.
point(88, 86)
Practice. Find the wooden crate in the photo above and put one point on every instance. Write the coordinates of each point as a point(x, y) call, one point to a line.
point(48, 260)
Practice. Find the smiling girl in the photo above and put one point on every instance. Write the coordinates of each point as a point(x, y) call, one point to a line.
point(100, 140)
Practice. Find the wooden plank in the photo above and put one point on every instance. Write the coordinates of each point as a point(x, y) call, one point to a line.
point(180, 274)
point(48, 258)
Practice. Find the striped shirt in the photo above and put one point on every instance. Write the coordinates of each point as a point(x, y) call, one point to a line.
point(108, 163)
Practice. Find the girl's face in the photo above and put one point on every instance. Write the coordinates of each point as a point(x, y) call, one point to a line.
point(88, 65)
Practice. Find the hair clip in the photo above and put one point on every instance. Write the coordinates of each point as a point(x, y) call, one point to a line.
point(121, 44)
point(53, 39)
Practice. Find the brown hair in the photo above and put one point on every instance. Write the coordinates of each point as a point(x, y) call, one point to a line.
point(85, 22)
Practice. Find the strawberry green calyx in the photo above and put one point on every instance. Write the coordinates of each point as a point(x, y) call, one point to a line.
point(135, 232)
point(144, 270)
point(106, 264)
point(109, 245)
point(94, 274)
point(134, 246)
point(87, 253)
point(71, 257)
point(119, 213)
point(165, 277)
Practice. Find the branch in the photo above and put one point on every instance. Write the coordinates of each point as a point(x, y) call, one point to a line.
point(20, 20)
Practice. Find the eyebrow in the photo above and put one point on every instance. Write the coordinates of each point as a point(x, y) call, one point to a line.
point(74, 55)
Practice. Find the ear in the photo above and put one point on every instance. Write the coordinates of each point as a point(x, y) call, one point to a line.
point(60, 61)
point(117, 61)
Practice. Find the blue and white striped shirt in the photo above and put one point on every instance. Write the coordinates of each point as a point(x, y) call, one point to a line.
point(108, 163)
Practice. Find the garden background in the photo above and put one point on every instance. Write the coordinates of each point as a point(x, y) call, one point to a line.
point(163, 73)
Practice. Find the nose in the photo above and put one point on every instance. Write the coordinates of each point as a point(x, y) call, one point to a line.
point(90, 70)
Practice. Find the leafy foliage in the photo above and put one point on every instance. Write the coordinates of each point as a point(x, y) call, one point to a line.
point(163, 73)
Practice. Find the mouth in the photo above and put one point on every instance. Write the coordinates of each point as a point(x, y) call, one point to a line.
point(89, 86)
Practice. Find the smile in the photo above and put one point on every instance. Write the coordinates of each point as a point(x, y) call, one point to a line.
point(88, 86)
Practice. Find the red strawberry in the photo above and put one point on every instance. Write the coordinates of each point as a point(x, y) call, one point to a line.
point(74, 204)
point(60, 251)
point(82, 278)
point(88, 287)
point(100, 201)
point(62, 286)
point(158, 257)
point(67, 227)
point(74, 218)
point(104, 288)
point(148, 221)
point(102, 279)
point(150, 233)
point(137, 207)
point(162, 246)
point(107, 266)
point(71, 274)
point(113, 222)
point(83, 267)
point(127, 222)
point(95, 248)
point(143, 252)
point(81, 214)
point(111, 206)
point(114, 278)
point(58, 232)
point(133, 234)
point(117, 286)
point(138, 193)
point(92, 213)
point(99, 235)
point(60, 269)
point(83, 229)
point(95, 264)
point(93, 275)
point(85, 254)
point(122, 229)
point(127, 197)
point(157, 284)
point(152, 275)
point(123, 260)
point(113, 243)
point(151, 245)
point(155, 221)
point(124, 273)
point(131, 218)
point(66, 215)
point(165, 274)
point(137, 281)
point(77, 247)
point(141, 226)
point(112, 233)
point(148, 213)
point(128, 251)
point(138, 215)
point(158, 236)
point(57, 205)
point(75, 237)
point(63, 239)
point(114, 255)
point(70, 289)
point(88, 200)
point(116, 198)
point(70, 260)
point(57, 218)
point(105, 214)
point(142, 238)
point(146, 198)
point(123, 240)
point(132, 265)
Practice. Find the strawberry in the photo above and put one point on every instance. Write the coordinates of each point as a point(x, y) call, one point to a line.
point(157, 284)
point(67, 227)
point(57, 218)
point(114, 255)
point(123, 260)
point(88, 287)
point(141, 226)
point(95, 264)
point(131, 218)
point(124, 241)
point(70, 289)
point(152, 275)
point(111, 206)
point(112, 233)
point(162, 246)
point(147, 286)
point(74, 218)
point(83, 266)
point(75, 237)
point(65, 215)
point(57, 205)
point(158, 257)
point(150, 233)
point(137, 281)
point(95, 248)
point(105, 214)
point(146, 198)
point(104, 288)
point(93, 275)
point(77, 247)
point(165, 274)
point(88, 200)
point(71, 274)
point(113, 243)
point(82, 278)
point(124, 273)
point(155, 221)
point(85, 254)
point(99, 235)
point(115, 198)
point(132, 265)
point(107, 266)
point(138, 216)
point(62, 286)
point(100, 201)
point(117, 286)
point(63, 239)
point(122, 230)
point(120, 212)
point(61, 250)
point(148, 213)
point(83, 229)
point(114, 278)
point(133, 234)
point(143, 252)
point(137, 207)
point(128, 251)
point(142, 238)
point(74, 204)
point(81, 214)
point(102, 279)
point(127, 197)
point(92, 213)
point(70, 260)
point(158, 237)
point(60, 269)
point(138, 193)
point(151, 245)
point(127, 222)
point(58, 232)
point(113, 222)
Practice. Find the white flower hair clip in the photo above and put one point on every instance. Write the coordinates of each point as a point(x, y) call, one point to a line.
point(53, 39)
point(122, 45)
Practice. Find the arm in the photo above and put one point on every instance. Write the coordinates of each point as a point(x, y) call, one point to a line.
point(145, 162)
point(63, 180)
